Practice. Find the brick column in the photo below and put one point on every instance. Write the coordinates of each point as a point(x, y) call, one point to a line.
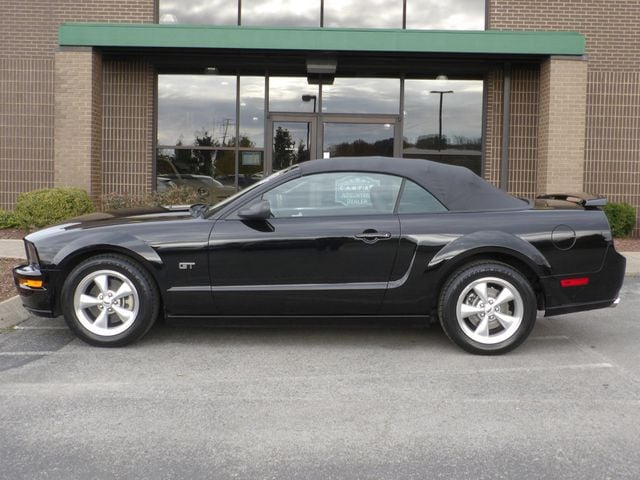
point(561, 125)
point(78, 120)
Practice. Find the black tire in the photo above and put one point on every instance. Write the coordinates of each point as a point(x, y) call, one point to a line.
point(489, 328)
point(109, 301)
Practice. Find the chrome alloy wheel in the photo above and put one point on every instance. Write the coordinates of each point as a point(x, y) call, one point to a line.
point(489, 310)
point(106, 303)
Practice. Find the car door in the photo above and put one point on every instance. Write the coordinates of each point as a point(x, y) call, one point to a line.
point(329, 248)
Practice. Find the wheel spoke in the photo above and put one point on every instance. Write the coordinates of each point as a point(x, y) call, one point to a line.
point(87, 301)
point(483, 328)
point(467, 310)
point(123, 291)
point(481, 291)
point(123, 314)
point(505, 320)
point(506, 295)
point(103, 320)
point(102, 282)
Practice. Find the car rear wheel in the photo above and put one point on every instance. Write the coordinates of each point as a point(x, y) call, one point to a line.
point(109, 301)
point(487, 308)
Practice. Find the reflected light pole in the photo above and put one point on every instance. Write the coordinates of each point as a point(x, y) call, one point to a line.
point(308, 98)
point(442, 93)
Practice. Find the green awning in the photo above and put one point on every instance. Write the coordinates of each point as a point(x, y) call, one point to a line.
point(491, 42)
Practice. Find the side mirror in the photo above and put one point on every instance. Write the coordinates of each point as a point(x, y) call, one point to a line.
point(258, 211)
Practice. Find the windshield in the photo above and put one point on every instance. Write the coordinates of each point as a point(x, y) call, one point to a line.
point(219, 206)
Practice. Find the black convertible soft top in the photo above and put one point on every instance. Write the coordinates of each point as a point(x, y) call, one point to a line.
point(458, 188)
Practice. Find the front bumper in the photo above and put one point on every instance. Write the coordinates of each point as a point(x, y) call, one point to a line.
point(38, 300)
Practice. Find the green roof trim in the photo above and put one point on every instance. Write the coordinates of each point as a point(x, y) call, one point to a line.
point(322, 39)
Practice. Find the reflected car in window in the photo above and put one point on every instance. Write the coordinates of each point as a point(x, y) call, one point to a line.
point(365, 237)
point(209, 189)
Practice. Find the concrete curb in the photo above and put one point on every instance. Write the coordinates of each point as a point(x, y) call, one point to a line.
point(12, 312)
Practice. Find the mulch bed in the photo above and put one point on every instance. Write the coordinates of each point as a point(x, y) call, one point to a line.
point(12, 233)
point(7, 288)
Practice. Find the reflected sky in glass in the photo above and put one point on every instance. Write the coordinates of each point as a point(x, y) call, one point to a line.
point(252, 111)
point(362, 95)
point(363, 13)
point(210, 12)
point(189, 105)
point(421, 14)
point(461, 110)
point(285, 94)
point(281, 13)
point(446, 15)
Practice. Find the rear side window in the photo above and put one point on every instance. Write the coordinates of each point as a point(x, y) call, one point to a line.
point(415, 199)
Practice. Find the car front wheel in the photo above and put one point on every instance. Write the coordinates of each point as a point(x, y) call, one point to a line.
point(109, 301)
point(487, 308)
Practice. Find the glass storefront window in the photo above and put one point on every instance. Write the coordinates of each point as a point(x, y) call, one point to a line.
point(450, 15)
point(453, 136)
point(196, 110)
point(362, 95)
point(283, 13)
point(208, 12)
point(357, 139)
point(292, 94)
point(251, 112)
point(363, 13)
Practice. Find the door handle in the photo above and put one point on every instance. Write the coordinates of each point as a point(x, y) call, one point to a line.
point(371, 236)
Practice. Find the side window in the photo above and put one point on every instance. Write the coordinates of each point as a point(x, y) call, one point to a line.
point(338, 193)
point(416, 199)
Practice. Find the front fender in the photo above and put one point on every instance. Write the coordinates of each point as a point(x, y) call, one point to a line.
point(113, 241)
point(493, 242)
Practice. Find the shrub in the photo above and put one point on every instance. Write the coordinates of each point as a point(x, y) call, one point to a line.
point(172, 196)
point(8, 220)
point(40, 208)
point(622, 218)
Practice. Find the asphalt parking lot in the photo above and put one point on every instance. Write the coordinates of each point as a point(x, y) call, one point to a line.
point(324, 400)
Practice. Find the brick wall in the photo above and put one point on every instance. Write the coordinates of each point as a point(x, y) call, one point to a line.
point(612, 140)
point(28, 42)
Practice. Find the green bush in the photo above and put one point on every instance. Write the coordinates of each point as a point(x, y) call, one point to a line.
point(622, 218)
point(40, 208)
point(172, 196)
point(8, 220)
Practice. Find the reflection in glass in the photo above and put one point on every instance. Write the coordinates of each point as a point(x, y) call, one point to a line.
point(199, 170)
point(285, 94)
point(251, 112)
point(451, 131)
point(451, 15)
point(209, 12)
point(290, 143)
point(250, 168)
point(196, 110)
point(283, 13)
point(363, 13)
point(362, 95)
point(358, 139)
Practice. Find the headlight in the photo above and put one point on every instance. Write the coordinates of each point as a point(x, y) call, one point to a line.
point(32, 253)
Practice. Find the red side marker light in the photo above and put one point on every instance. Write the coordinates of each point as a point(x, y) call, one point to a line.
point(574, 282)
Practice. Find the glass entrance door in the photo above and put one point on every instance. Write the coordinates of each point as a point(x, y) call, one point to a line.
point(298, 137)
point(293, 139)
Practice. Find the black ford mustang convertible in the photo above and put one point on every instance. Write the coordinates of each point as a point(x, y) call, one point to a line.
point(341, 237)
